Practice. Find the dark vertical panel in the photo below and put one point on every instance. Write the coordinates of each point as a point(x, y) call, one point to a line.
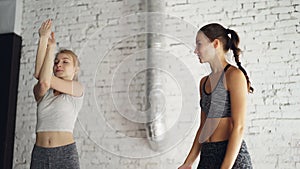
point(10, 52)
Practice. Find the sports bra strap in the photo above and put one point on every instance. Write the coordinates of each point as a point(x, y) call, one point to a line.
point(226, 67)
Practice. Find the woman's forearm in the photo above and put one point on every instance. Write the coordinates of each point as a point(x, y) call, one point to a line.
point(40, 55)
point(195, 150)
point(233, 147)
point(46, 71)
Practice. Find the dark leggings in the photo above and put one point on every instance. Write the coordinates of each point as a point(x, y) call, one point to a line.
point(63, 157)
point(213, 153)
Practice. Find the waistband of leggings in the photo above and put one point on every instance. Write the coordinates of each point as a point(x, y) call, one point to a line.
point(59, 147)
point(215, 143)
point(220, 142)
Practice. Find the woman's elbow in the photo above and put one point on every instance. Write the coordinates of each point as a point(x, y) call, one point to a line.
point(44, 86)
point(36, 76)
point(239, 128)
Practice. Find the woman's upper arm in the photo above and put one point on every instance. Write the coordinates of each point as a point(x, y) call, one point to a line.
point(237, 86)
point(203, 115)
point(39, 90)
point(70, 87)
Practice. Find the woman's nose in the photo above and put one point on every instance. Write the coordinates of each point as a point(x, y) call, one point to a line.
point(58, 64)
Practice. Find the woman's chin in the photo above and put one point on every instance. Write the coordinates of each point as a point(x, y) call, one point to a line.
point(201, 60)
point(58, 75)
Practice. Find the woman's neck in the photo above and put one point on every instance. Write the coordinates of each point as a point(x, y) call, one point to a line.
point(218, 65)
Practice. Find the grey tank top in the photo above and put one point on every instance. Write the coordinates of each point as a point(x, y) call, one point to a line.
point(217, 103)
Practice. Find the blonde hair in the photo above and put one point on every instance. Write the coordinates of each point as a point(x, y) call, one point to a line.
point(76, 62)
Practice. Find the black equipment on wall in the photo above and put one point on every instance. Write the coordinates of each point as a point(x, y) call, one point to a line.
point(10, 52)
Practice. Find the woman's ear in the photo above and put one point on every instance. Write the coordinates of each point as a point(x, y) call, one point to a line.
point(216, 43)
point(77, 70)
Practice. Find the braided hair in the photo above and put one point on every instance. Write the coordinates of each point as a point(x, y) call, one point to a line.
point(217, 31)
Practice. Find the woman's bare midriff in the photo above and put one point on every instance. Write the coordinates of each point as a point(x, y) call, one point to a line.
point(223, 131)
point(54, 139)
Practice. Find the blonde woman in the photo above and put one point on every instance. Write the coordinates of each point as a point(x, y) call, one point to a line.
point(59, 98)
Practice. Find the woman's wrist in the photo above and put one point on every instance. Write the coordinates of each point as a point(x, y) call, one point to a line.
point(44, 37)
point(51, 46)
point(43, 40)
point(225, 166)
point(188, 163)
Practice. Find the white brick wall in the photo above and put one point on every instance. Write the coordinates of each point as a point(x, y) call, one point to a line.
point(269, 33)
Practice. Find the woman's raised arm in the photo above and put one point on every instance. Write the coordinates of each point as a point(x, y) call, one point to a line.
point(46, 71)
point(44, 35)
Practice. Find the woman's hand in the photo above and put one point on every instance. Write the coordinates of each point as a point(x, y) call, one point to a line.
point(44, 33)
point(185, 166)
point(51, 41)
point(45, 29)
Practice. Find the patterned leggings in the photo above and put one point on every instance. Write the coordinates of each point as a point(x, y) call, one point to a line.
point(213, 153)
point(63, 157)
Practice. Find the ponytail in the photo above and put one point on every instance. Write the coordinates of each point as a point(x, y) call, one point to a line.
point(233, 42)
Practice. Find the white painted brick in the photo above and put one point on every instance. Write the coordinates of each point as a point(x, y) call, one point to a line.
point(260, 5)
point(87, 18)
point(282, 9)
point(272, 17)
point(196, 1)
point(266, 11)
point(284, 16)
point(297, 7)
point(247, 5)
point(284, 3)
point(244, 20)
point(176, 2)
point(260, 17)
point(254, 129)
point(262, 26)
point(287, 23)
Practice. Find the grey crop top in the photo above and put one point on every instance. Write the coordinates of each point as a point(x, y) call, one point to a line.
point(57, 113)
point(217, 103)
